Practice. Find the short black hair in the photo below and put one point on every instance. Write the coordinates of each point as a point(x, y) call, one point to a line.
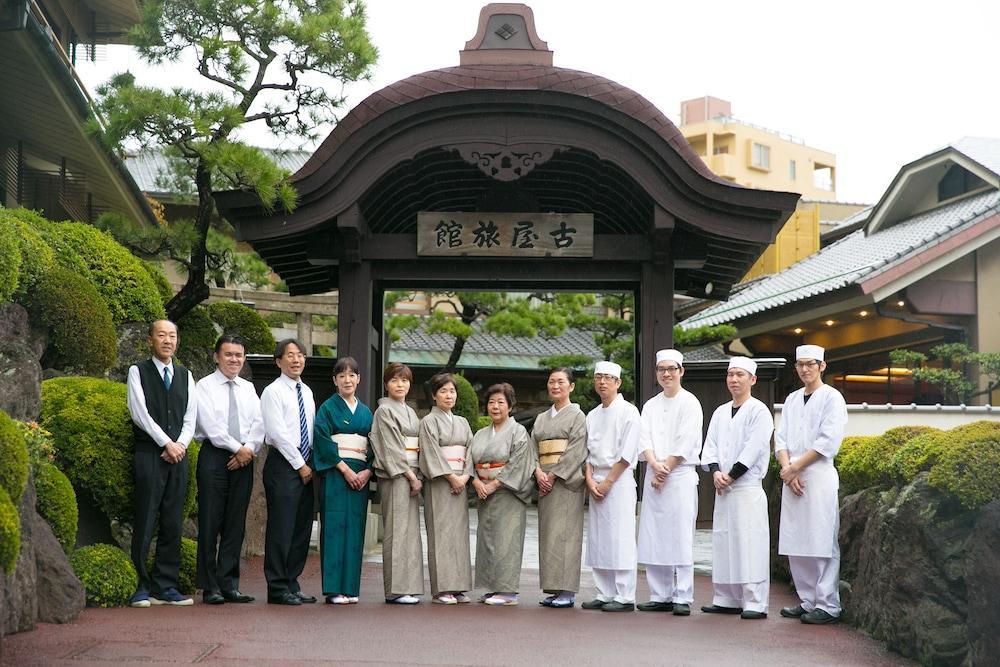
point(505, 390)
point(279, 349)
point(562, 369)
point(441, 379)
point(230, 338)
point(396, 369)
point(346, 364)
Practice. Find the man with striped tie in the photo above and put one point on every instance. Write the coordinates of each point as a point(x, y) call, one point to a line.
point(288, 410)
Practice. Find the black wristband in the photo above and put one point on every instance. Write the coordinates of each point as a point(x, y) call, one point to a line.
point(713, 468)
point(737, 470)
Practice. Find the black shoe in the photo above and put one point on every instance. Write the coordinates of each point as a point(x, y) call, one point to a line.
point(753, 615)
point(212, 597)
point(682, 609)
point(284, 598)
point(236, 596)
point(593, 604)
point(655, 606)
point(716, 609)
point(793, 612)
point(818, 617)
point(618, 606)
point(305, 599)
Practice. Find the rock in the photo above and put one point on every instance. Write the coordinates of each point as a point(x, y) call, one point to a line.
point(253, 542)
point(780, 570)
point(20, 602)
point(60, 594)
point(133, 347)
point(983, 576)
point(20, 370)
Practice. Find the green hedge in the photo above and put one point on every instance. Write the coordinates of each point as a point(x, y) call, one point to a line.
point(467, 403)
point(92, 432)
point(163, 287)
point(106, 573)
point(236, 318)
point(37, 257)
point(867, 461)
point(966, 463)
point(13, 459)
point(120, 277)
point(189, 564)
point(196, 334)
point(56, 503)
point(81, 332)
point(10, 261)
point(10, 532)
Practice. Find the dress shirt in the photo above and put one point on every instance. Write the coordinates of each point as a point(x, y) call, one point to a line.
point(279, 407)
point(213, 413)
point(140, 414)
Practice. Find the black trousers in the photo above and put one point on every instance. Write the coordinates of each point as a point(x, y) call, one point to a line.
point(289, 524)
point(223, 497)
point(160, 489)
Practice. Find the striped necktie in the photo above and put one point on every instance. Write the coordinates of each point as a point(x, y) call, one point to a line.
point(304, 448)
point(166, 377)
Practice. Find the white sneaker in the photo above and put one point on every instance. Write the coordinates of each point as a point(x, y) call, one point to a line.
point(444, 598)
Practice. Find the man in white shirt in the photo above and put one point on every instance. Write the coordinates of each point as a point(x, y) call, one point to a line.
point(808, 438)
point(163, 405)
point(670, 443)
point(288, 410)
point(231, 431)
point(737, 449)
point(612, 441)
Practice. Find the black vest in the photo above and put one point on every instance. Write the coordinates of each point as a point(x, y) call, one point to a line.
point(167, 408)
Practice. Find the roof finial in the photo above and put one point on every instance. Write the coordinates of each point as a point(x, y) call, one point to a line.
point(506, 36)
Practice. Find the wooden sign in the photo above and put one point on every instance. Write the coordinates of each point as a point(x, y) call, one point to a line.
point(505, 234)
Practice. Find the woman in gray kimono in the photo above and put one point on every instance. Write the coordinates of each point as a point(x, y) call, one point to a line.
point(503, 464)
point(560, 436)
point(394, 439)
point(444, 461)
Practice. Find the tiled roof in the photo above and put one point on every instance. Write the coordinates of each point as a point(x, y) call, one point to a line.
point(147, 166)
point(984, 150)
point(849, 260)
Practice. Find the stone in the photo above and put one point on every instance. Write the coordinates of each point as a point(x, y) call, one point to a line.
point(20, 370)
point(780, 570)
point(133, 347)
point(20, 602)
point(60, 594)
point(983, 576)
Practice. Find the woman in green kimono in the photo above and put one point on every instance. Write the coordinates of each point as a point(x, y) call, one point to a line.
point(503, 464)
point(394, 440)
point(444, 461)
point(342, 459)
point(560, 436)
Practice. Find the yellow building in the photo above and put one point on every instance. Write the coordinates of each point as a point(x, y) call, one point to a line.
point(756, 157)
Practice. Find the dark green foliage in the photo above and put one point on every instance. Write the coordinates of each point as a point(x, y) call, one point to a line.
point(197, 334)
point(56, 503)
point(36, 256)
point(968, 465)
point(13, 459)
point(467, 404)
point(10, 532)
point(120, 277)
point(865, 462)
point(278, 319)
point(191, 497)
point(81, 332)
point(10, 260)
point(106, 573)
point(685, 339)
point(236, 318)
point(189, 563)
point(163, 287)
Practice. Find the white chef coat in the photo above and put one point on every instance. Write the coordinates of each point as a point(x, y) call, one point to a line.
point(213, 413)
point(743, 438)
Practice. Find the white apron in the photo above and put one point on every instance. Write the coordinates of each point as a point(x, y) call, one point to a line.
point(667, 518)
point(740, 536)
point(611, 526)
point(809, 523)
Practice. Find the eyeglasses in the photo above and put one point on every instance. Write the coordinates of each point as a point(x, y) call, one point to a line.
point(605, 377)
point(806, 364)
point(663, 370)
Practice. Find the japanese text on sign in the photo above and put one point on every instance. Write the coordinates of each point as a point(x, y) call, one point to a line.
point(505, 234)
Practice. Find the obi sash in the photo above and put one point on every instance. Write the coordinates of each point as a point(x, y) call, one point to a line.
point(490, 470)
point(351, 446)
point(412, 449)
point(456, 457)
point(550, 451)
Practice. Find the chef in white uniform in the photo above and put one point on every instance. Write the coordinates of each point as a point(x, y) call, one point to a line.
point(612, 444)
point(669, 443)
point(808, 437)
point(737, 449)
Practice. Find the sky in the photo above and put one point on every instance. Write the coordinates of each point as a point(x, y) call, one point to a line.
point(879, 83)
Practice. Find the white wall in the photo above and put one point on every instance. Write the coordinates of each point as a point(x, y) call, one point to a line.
point(865, 419)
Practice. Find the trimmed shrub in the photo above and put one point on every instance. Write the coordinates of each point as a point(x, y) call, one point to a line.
point(37, 257)
point(191, 498)
point(967, 463)
point(467, 403)
point(10, 532)
point(120, 277)
point(196, 333)
point(39, 443)
point(81, 332)
point(866, 461)
point(163, 287)
point(106, 573)
point(235, 318)
point(10, 261)
point(918, 455)
point(56, 503)
point(13, 459)
point(189, 566)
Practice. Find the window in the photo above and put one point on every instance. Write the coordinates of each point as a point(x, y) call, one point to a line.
point(760, 156)
point(957, 181)
point(720, 150)
point(791, 170)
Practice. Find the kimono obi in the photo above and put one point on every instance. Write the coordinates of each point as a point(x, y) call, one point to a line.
point(412, 449)
point(456, 457)
point(490, 470)
point(351, 446)
point(550, 451)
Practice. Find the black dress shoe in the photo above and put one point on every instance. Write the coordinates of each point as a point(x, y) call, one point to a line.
point(793, 612)
point(716, 609)
point(618, 606)
point(593, 604)
point(285, 598)
point(212, 597)
point(753, 615)
point(682, 609)
point(236, 596)
point(818, 617)
point(653, 605)
point(305, 599)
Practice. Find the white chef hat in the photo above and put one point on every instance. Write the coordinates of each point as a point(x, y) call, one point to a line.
point(749, 365)
point(608, 368)
point(670, 355)
point(809, 352)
